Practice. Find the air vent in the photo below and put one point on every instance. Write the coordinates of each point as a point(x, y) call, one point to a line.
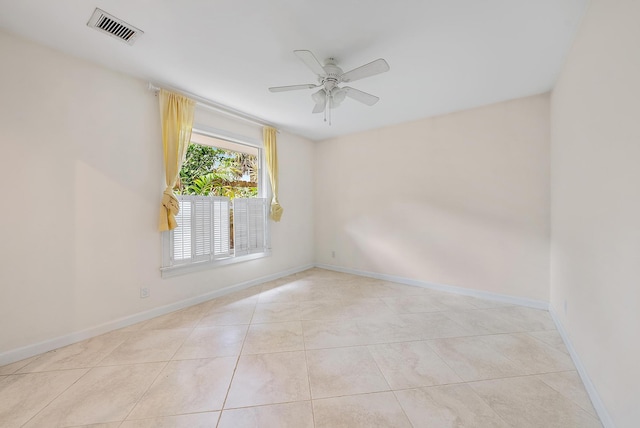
point(102, 21)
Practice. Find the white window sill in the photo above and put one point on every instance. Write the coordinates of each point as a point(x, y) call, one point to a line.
point(171, 271)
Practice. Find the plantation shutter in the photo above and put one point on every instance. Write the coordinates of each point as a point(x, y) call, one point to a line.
point(240, 232)
point(249, 218)
point(221, 220)
point(181, 241)
point(202, 232)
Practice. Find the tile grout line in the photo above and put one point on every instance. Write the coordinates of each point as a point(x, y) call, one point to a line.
point(163, 367)
point(235, 367)
point(57, 396)
point(306, 362)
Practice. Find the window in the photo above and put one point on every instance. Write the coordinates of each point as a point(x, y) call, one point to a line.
point(224, 213)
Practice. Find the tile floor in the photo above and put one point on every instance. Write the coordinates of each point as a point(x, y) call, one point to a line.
point(315, 349)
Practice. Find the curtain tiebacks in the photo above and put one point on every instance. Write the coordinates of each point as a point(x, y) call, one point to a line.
point(170, 202)
point(276, 210)
point(170, 207)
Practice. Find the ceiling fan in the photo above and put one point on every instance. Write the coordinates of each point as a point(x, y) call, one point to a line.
point(330, 76)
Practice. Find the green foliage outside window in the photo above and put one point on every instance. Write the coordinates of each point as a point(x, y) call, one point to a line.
point(210, 171)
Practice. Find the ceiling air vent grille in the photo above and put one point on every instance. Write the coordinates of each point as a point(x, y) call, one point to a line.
point(102, 21)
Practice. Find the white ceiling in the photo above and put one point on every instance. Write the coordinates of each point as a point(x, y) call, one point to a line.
point(445, 55)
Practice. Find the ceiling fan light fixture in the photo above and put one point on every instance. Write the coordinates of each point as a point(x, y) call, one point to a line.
point(319, 97)
point(337, 97)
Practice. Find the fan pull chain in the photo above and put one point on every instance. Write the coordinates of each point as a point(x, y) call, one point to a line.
point(326, 106)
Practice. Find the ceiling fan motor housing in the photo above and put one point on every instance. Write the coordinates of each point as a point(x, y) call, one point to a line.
point(333, 75)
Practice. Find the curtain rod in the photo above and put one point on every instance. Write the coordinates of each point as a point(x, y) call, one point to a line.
point(216, 107)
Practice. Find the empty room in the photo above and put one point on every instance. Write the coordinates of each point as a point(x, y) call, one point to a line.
point(320, 214)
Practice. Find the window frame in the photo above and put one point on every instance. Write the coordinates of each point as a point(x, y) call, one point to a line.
point(264, 191)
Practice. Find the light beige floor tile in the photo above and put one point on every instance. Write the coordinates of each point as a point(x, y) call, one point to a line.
point(286, 291)
point(147, 346)
point(209, 342)
point(269, 379)
point(533, 355)
point(85, 354)
point(413, 304)
point(231, 302)
point(382, 289)
point(22, 396)
point(448, 406)
point(185, 318)
point(276, 312)
point(332, 334)
point(107, 425)
point(379, 409)
point(246, 296)
point(411, 364)
point(343, 371)
point(570, 386)
point(403, 289)
point(527, 319)
point(453, 302)
point(228, 317)
point(551, 338)
point(187, 386)
point(8, 369)
point(528, 402)
point(333, 291)
point(280, 293)
point(366, 307)
point(195, 420)
point(327, 310)
point(104, 394)
point(288, 415)
point(274, 337)
point(483, 321)
point(434, 325)
point(387, 328)
point(486, 303)
point(473, 359)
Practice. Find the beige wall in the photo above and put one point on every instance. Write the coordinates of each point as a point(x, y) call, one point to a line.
point(460, 200)
point(82, 171)
point(595, 163)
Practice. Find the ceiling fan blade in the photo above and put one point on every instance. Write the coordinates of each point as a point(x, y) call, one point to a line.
point(363, 97)
point(375, 67)
point(311, 61)
point(292, 87)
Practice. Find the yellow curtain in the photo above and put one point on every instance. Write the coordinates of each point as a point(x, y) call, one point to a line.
point(176, 116)
point(269, 138)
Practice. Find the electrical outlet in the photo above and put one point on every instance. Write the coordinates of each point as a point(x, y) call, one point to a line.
point(565, 306)
point(333, 254)
point(144, 292)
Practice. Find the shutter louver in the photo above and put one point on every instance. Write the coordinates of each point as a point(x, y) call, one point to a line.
point(249, 218)
point(202, 231)
point(182, 233)
point(240, 229)
point(221, 220)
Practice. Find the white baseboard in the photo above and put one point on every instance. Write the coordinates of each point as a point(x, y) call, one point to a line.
point(603, 414)
point(28, 351)
point(521, 301)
